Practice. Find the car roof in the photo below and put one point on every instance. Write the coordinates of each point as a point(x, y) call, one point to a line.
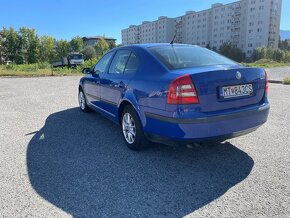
point(150, 45)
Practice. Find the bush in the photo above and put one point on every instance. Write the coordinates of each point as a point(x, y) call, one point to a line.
point(89, 53)
point(270, 53)
point(265, 61)
point(28, 67)
point(287, 57)
point(232, 52)
point(10, 67)
point(43, 65)
point(286, 81)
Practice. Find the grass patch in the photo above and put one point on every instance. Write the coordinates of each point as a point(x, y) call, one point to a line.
point(39, 69)
point(266, 63)
point(286, 81)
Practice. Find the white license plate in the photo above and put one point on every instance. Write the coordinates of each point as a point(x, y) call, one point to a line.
point(236, 91)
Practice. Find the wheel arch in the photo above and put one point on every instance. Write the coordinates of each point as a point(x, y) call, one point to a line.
point(122, 105)
point(127, 101)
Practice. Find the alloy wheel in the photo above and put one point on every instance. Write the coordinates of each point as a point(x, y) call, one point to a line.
point(82, 100)
point(129, 128)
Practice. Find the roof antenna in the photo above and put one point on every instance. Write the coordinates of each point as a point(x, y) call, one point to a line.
point(171, 43)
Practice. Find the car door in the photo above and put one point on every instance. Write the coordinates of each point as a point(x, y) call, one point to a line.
point(114, 83)
point(92, 83)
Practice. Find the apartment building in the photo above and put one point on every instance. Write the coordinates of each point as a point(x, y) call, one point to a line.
point(247, 24)
point(93, 40)
point(161, 30)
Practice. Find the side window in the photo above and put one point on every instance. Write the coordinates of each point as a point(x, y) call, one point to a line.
point(119, 62)
point(102, 64)
point(132, 64)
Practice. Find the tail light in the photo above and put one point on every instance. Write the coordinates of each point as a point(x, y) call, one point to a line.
point(182, 91)
point(266, 82)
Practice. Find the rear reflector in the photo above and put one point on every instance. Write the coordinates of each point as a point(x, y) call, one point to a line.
point(266, 83)
point(182, 91)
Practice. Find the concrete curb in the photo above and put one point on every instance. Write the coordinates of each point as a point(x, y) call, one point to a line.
point(275, 81)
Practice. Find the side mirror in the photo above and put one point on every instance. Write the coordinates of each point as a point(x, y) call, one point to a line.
point(86, 70)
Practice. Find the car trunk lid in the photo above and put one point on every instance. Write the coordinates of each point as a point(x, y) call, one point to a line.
point(210, 80)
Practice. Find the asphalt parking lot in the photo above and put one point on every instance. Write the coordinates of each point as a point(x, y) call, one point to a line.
point(58, 162)
point(278, 73)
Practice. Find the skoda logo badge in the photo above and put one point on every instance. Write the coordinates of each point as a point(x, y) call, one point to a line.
point(238, 75)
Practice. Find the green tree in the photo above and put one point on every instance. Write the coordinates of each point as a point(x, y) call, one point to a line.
point(112, 45)
point(278, 55)
point(283, 44)
point(28, 45)
point(76, 44)
point(33, 47)
point(46, 51)
point(10, 45)
point(287, 57)
point(89, 52)
point(62, 48)
point(230, 51)
point(257, 54)
point(208, 46)
point(23, 40)
point(101, 47)
point(270, 53)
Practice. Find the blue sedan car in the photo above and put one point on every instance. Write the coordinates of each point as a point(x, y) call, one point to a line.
point(175, 93)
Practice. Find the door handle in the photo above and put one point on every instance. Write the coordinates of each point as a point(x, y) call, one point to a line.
point(121, 85)
point(118, 85)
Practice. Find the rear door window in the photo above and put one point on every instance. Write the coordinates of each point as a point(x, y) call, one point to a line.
point(119, 62)
point(132, 64)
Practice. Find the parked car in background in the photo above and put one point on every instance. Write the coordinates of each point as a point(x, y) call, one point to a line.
point(175, 94)
point(71, 61)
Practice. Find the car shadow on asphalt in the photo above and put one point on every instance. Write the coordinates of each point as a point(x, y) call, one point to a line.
point(79, 163)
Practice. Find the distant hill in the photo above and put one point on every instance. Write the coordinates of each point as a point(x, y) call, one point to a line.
point(285, 34)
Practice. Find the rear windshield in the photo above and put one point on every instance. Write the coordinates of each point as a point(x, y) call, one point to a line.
point(180, 57)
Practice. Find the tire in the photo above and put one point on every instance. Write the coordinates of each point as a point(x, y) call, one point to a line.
point(83, 101)
point(130, 125)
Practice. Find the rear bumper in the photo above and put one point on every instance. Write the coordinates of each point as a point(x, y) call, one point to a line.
point(170, 141)
point(218, 127)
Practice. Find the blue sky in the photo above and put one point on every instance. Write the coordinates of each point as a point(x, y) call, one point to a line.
point(65, 19)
